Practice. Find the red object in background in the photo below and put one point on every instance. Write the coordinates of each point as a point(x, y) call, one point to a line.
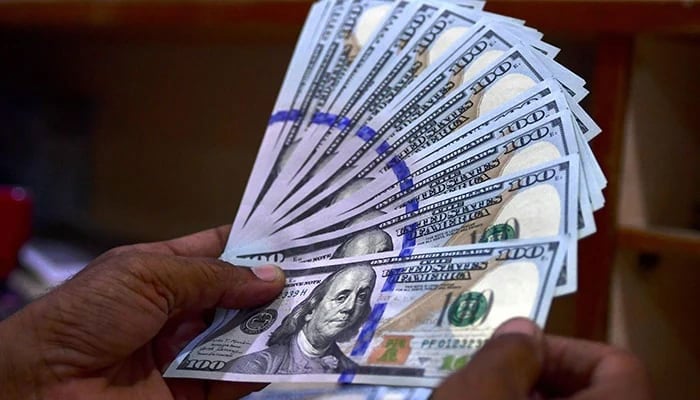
point(15, 225)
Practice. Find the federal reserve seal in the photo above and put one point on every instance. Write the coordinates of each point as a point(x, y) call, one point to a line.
point(259, 322)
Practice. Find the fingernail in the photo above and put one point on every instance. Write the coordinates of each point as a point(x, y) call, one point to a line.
point(518, 325)
point(267, 273)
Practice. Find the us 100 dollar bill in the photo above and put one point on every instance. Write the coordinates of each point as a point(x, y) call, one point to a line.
point(305, 56)
point(457, 110)
point(473, 48)
point(537, 202)
point(450, 170)
point(342, 29)
point(388, 320)
point(544, 100)
point(384, 46)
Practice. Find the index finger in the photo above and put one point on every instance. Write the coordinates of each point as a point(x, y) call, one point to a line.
point(591, 370)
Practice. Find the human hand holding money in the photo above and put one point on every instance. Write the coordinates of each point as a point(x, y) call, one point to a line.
point(63, 346)
point(426, 169)
point(110, 330)
point(521, 362)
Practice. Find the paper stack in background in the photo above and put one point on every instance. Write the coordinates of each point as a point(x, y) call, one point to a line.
point(425, 175)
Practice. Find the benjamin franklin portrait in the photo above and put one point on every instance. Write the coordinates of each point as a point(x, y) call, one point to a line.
point(306, 341)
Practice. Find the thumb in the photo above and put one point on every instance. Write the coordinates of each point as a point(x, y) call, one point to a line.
point(507, 367)
point(187, 284)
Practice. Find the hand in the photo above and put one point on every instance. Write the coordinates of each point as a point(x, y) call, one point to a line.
point(109, 331)
point(519, 362)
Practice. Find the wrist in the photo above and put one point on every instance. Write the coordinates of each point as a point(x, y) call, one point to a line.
point(20, 364)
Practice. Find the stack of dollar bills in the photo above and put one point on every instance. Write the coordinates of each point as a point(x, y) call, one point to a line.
point(425, 176)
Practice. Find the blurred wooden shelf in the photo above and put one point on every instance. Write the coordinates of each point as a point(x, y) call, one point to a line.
point(150, 13)
point(203, 21)
point(603, 17)
point(660, 240)
point(659, 210)
point(223, 18)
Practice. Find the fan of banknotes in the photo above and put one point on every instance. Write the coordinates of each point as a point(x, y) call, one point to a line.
point(425, 175)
